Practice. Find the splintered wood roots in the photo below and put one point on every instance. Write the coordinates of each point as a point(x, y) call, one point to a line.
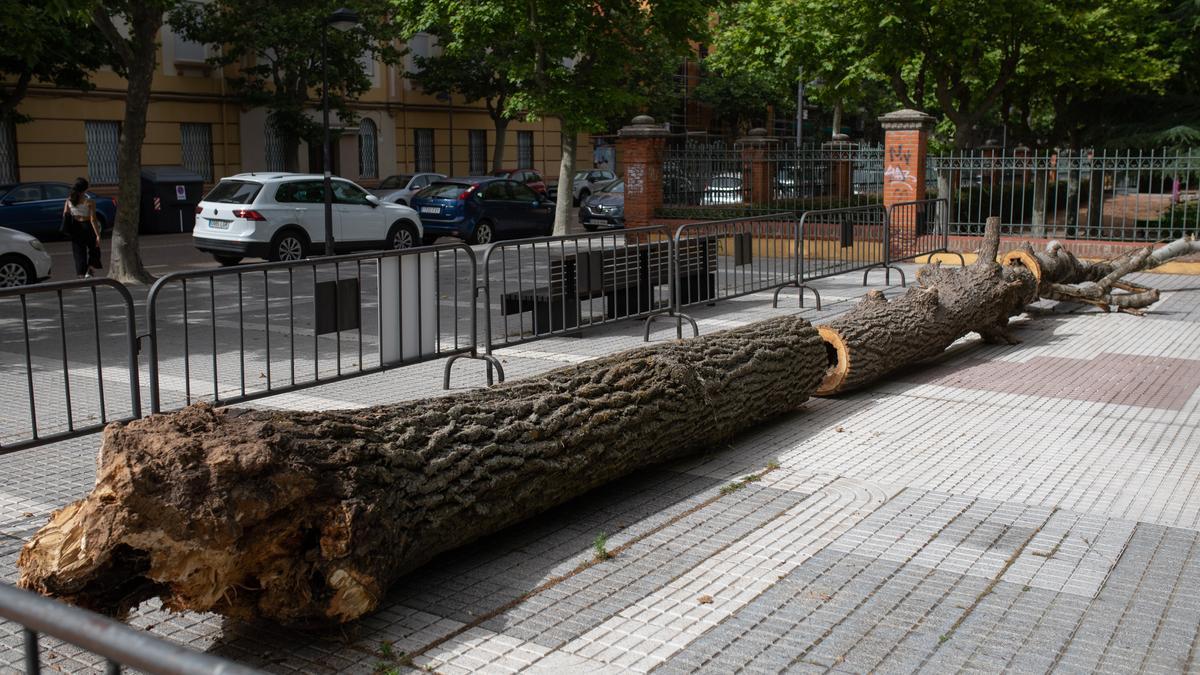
point(308, 517)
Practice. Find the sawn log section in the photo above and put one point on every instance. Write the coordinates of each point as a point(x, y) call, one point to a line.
point(308, 517)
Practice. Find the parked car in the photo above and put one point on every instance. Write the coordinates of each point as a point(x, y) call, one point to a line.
point(36, 208)
point(483, 209)
point(605, 208)
point(23, 259)
point(281, 216)
point(529, 177)
point(400, 188)
point(584, 183)
point(723, 188)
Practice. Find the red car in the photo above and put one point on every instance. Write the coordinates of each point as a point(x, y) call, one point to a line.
point(529, 177)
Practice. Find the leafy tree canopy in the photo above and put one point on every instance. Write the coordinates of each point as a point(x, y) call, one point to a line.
point(278, 54)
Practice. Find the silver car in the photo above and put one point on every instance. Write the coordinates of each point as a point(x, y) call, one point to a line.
point(400, 188)
point(723, 188)
point(584, 183)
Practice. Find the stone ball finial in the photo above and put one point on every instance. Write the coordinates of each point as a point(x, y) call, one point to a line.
point(841, 138)
point(757, 132)
point(643, 120)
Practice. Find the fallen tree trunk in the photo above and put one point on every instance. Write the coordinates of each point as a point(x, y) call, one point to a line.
point(309, 517)
point(879, 336)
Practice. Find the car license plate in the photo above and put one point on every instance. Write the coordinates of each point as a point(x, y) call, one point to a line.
point(218, 224)
point(597, 222)
point(431, 209)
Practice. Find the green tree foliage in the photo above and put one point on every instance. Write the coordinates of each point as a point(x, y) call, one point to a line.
point(277, 49)
point(1037, 64)
point(475, 69)
point(51, 43)
point(583, 62)
point(741, 99)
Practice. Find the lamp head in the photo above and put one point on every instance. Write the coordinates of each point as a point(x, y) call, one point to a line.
point(343, 19)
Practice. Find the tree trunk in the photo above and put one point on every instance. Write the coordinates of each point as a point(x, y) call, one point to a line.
point(877, 337)
point(501, 124)
point(1038, 217)
point(309, 517)
point(566, 170)
point(836, 126)
point(291, 154)
point(126, 263)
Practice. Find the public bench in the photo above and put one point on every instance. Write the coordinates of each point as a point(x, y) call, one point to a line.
point(625, 276)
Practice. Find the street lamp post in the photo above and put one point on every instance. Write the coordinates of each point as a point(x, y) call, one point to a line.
point(342, 19)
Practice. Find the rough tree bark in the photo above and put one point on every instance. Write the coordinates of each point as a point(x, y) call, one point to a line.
point(308, 517)
point(566, 173)
point(879, 336)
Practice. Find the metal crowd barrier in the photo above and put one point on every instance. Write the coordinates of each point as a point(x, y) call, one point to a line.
point(118, 644)
point(725, 259)
point(536, 288)
point(72, 326)
point(245, 332)
point(919, 228)
point(836, 241)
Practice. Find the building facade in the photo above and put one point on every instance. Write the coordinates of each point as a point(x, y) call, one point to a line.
point(193, 122)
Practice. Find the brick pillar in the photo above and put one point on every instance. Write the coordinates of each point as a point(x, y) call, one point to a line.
point(758, 176)
point(641, 145)
point(906, 142)
point(839, 152)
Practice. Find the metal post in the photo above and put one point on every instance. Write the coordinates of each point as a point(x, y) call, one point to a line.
point(800, 109)
point(325, 146)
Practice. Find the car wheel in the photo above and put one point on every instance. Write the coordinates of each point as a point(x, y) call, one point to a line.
point(288, 245)
point(484, 233)
point(227, 260)
point(590, 228)
point(402, 235)
point(16, 271)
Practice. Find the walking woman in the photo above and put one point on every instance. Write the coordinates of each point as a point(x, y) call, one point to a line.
point(83, 228)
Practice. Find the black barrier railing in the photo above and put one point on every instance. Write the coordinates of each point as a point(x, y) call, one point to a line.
point(64, 332)
point(919, 228)
point(725, 259)
point(536, 288)
point(837, 241)
point(240, 333)
point(111, 641)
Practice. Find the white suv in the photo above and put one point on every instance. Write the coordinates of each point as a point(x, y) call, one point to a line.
point(281, 216)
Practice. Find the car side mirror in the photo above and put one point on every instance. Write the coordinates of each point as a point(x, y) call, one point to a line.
point(373, 200)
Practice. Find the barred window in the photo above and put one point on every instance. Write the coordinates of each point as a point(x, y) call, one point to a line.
point(102, 139)
point(423, 146)
point(477, 146)
point(368, 149)
point(9, 172)
point(524, 149)
point(196, 140)
point(274, 147)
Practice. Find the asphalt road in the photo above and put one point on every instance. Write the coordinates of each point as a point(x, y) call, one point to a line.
point(165, 253)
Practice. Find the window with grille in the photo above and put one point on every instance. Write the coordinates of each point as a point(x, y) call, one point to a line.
point(274, 147)
point(368, 149)
point(524, 149)
point(196, 140)
point(8, 153)
point(423, 146)
point(102, 139)
point(477, 147)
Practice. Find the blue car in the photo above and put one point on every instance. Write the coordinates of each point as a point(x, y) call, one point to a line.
point(482, 210)
point(36, 208)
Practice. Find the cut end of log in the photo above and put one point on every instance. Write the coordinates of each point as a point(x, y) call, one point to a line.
point(837, 356)
point(1019, 258)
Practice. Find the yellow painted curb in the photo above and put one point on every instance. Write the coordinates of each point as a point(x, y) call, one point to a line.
point(1172, 267)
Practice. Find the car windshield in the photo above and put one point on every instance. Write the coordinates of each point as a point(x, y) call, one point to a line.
point(233, 192)
point(581, 175)
point(442, 191)
point(501, 174)
point(5, 188)
point(726, 183)
point(615, 186)
point(395, 182)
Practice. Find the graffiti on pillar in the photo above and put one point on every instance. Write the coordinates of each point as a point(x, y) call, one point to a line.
point(898, 153)
point(635, 179)
point(898, 157)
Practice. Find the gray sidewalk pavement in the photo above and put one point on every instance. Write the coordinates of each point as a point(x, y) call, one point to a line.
point(1027, 508)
